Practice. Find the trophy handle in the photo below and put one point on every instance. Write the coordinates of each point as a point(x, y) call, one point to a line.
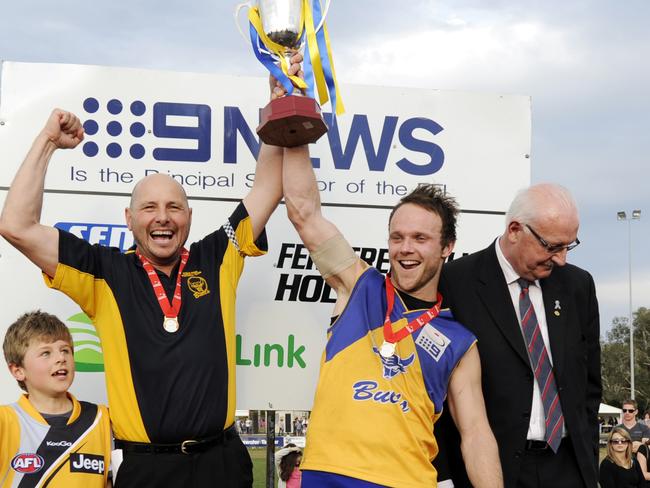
point(237, 10)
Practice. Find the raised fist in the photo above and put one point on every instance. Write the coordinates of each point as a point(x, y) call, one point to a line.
point(63, 129)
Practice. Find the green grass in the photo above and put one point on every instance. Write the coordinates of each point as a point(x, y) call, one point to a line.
point(258, 455)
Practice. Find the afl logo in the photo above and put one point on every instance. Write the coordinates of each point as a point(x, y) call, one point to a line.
point(27, 463)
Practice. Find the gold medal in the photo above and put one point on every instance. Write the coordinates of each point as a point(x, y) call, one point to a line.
point(387, 350)
point(170, 324)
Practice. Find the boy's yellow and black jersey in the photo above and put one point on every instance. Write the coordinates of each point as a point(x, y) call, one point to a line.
point(164, 387)
point(35, 454)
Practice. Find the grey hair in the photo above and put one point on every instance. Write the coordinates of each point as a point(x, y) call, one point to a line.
point(531, 203)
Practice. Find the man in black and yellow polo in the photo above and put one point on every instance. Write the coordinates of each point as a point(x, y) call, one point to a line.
point(165, 314)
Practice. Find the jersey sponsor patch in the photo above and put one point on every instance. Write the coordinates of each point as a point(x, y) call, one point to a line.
point(27, 463)
point(58, 443)
point(86, 463)
point(433, 342)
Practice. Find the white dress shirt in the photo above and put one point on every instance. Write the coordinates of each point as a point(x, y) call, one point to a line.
point(537, 425)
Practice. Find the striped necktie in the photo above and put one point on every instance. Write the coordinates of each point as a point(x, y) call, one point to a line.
point(542, 367)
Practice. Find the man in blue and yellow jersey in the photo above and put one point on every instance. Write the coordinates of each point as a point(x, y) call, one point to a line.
point(392, 355)
point(165, 314)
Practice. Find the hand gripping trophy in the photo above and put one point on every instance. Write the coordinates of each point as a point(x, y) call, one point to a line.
point(279, 28)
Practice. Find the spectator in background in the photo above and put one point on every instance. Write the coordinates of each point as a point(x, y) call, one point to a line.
point(643, 458)
point(619, 469)
point(639, 431)
point(287, 462)
point(646, 418)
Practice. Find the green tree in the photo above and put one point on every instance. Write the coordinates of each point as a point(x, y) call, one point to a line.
point(615, 357)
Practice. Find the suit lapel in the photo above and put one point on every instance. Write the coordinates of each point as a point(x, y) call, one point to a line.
point(493, 291)
point(556, 319)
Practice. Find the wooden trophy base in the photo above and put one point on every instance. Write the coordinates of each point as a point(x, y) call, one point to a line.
point(291, 121)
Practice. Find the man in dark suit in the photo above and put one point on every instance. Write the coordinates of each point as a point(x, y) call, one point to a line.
point(536, 320)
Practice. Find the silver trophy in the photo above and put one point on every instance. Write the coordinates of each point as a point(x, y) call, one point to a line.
point(281, 20)
point(292, 120)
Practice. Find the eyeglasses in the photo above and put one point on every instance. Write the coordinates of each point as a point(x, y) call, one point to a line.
point(553, 248)
point(619, 441)
point(629, 410)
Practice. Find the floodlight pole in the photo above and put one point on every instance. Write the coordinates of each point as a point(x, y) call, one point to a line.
point(621, 216)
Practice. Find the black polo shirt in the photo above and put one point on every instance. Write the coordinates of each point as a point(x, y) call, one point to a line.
point(163, 387)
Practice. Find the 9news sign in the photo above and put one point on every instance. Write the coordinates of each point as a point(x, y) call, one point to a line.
point(192, 124)
point(197, 126)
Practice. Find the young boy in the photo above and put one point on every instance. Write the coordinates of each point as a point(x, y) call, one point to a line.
point(48, 438)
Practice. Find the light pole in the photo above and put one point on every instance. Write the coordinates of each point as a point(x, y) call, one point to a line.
point(636, 215)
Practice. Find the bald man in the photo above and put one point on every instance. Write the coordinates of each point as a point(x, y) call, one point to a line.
point(536, 320)
point(165, 314)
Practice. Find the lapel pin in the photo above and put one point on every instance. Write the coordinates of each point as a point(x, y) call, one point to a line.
point(557, 308)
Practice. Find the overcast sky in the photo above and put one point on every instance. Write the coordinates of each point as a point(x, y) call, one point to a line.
point(584, 63)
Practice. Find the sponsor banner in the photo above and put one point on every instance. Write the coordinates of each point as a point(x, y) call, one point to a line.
point(139, 122)
point(260, 441)
point(86, 463)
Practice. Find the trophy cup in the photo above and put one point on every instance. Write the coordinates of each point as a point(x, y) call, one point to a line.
point(277, 32)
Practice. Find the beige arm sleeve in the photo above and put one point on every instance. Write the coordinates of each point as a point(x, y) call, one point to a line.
point(333, 256)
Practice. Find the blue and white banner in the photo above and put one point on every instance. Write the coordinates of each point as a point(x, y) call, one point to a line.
point(200, 129)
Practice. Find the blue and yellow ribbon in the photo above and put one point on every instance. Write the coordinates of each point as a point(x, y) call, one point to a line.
point(318, 63)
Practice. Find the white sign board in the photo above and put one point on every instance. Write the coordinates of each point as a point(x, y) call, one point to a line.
point(201, 130)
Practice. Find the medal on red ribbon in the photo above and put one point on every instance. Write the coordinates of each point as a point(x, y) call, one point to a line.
point(391, 338)
point(170, 310)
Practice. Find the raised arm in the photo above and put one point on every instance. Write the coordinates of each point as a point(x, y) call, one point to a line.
point(329, 250)
point(467, 408)
point(21, 214)
point(266, 193)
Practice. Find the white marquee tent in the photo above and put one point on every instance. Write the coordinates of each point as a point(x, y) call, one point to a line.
point(608, 410)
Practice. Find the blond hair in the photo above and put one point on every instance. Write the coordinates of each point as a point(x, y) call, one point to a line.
point(628, 451)
point(28, 327)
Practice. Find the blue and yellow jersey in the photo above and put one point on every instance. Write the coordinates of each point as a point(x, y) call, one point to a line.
point(164, 387)
point(36, 454)
point(373, 417)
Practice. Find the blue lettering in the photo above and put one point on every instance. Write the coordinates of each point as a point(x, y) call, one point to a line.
point(363, 389)
point(359, 129)
point(196, 125)
point(408, 140)
point(233, 124)
point(382, 396)
point(103, 234)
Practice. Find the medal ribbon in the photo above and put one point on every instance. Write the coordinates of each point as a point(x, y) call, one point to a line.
point(320, 54)
point(169, 310)
point(415, 324)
